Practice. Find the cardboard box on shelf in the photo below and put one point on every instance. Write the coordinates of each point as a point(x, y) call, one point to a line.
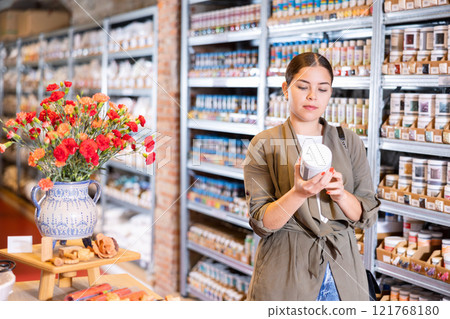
point(385, 255)
point(8, 25)
point(443, 274)
point(33, 22)
point(419, 260)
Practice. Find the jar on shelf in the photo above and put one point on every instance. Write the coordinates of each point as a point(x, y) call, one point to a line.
point(418, 187)
point(395, 56)
point(397, 104)
point(426, 40)
point(405, 168)
point(436, 238)
point(423, 121)
point(427, 104)
point(404, 295)
point(391, 241)
point(411, 39)
point(404, 183)
point(438, 54)
point(442, 105)
point(437, 172)
point(424, 239)
point(412, 238)
point(446, 261)
point(397, 40)
point(440, 37)
point(391, 179)
point(419, 169)
point(424, 55)
point(409, 55)
point(395, 293)
point(445, 246)
point(440, 122)
point(409, 120)
point(411, 104)
point(434, 190)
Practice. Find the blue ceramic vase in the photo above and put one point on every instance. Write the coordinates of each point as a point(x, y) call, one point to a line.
point(66, 211)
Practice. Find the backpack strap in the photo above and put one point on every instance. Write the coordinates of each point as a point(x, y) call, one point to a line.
point(341, 135)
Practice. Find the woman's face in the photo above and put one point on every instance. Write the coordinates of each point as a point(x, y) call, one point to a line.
point(308, 93)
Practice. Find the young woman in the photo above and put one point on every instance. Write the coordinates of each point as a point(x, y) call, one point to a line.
point(308, 249)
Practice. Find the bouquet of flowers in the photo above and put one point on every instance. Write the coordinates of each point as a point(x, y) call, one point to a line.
point(70, 140)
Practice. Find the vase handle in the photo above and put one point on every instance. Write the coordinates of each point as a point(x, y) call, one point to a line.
point(35, 202)
point(99, 190)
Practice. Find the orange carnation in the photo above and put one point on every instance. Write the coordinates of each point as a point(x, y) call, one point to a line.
point(83, 136)
point(113, 106)
point(100, 97)
point(52, 135)
point(31, 160)
point(59, 164)
point(38, 154)
point(69, 109)
point(86, 100)
point(97, 123)
point(63, 129)
point(45, 184)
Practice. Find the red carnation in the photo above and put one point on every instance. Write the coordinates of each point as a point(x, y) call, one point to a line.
point(56, 96)
point(71, 145)
point(67, 84)
point(34, 132)
point(117, 133)
point(30, 116)
point(45, 101)
point(52, 87)
point(93, 160)
point(118, 143)
point(70, 102)
point(132, 125)
point(149, 143)
point(113, 115)
point(102, 142)
point(61, 153)
point(92, 112)
point(88, 148)
point(141, 120)
point(150, 159)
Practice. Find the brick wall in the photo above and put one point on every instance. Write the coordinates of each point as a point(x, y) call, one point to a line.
point(167, 227)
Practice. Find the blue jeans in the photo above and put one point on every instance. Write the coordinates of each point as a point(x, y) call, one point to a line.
point(328, 291)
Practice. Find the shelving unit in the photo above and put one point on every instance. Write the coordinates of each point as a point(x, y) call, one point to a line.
point(410, 82)
point(375, 27)
point(346, 29)
point(102, 54)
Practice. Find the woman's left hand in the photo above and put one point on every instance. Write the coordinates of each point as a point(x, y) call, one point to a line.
point(335, 188)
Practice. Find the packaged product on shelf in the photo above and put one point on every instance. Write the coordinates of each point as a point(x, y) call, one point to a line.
point(56, 49)
point(225, 20)
point(131, 37)
point(53, 74)
point(88, 75)
point(88, 43)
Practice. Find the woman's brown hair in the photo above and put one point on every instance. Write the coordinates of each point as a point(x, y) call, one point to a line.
point(307, 59)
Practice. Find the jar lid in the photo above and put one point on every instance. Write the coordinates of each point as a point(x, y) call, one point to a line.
point(446, 241)
point(393, 240)
point(392, 176)
point(424, 236)
point(428, 29)
point(412, 30)
point(413, 233)
point(395, 288)
point(427, 95)
point(7, 265)
point(442, 96)
point(424, 52)
point(437, 234)
point(401, 250)
point(441, 27)
point(437, 162)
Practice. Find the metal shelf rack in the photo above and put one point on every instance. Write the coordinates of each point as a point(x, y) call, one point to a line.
point(359, 28)
point(105, 56)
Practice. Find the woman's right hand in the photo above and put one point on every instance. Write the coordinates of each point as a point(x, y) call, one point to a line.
point(314, 185)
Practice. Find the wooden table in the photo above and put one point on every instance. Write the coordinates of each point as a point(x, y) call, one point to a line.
point(66, 272)
point(28, 290)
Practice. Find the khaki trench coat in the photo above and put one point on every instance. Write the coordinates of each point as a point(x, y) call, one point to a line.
point(291, 261)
